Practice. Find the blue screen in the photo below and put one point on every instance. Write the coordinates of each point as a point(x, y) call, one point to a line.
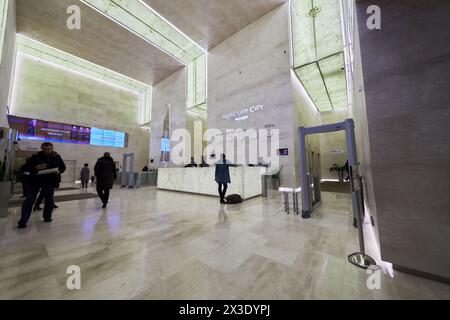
point(165, 145)
point(107, 138)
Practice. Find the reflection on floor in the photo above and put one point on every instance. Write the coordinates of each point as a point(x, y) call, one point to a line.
point(152, 244)
point(334, 186)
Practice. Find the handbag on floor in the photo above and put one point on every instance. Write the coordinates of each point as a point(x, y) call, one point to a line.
point(234, 198)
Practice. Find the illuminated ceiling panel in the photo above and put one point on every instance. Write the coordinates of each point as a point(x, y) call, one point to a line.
point(312, 80)
point(140, 19)
point(327, 27)
point(196, 84)
point(318, 52)
point(201, 110)
point(302, 33)
point(332, 69)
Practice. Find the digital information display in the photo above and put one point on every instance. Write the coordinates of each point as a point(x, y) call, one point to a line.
point(40, 130)
point(165, 145)
point(107, 138)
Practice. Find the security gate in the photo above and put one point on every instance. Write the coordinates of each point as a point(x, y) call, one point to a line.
point(359, 259)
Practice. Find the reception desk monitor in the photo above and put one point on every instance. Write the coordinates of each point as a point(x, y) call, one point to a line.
point(40, 130)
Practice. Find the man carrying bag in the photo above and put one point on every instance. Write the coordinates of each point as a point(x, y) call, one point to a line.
point(45, 170)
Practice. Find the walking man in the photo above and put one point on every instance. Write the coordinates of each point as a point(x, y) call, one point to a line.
point(105, 172)
point(45, 170)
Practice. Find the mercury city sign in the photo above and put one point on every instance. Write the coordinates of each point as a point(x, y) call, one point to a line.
point(243, 114)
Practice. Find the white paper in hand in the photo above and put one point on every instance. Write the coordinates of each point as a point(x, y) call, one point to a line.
point(48, 171)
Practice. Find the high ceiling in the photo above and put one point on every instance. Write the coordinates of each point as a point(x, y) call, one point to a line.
point(210, 22)
point(100, 40)
point(108, 44)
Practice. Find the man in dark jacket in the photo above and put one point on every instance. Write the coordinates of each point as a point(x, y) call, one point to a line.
point(105, 172)
point(48, 160)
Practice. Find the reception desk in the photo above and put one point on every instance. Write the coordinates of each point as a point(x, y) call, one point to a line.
point(245, 181)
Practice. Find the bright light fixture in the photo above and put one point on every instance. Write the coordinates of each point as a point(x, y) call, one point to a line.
point(318, 51)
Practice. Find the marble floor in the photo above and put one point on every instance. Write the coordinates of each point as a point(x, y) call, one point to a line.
point(152, 244)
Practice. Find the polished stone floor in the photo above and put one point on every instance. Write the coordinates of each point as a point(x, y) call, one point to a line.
point(153, 244)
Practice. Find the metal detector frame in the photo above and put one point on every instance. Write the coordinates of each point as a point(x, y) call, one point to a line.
point(127, 174)
point(360, 259)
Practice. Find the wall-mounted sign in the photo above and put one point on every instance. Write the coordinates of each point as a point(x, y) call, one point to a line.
point(283, 152)
point(243, 114)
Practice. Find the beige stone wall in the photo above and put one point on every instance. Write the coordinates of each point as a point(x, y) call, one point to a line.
point(252, 68)
point(196, 140)
point(305, 115)
point(359, 113)
point(169, 92)
point(406, 67)
point(7, 62)
point(45, 91)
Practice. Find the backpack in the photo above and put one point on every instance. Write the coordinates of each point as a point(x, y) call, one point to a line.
point(234, 198)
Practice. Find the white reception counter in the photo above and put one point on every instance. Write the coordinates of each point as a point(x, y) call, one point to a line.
point(245, 181)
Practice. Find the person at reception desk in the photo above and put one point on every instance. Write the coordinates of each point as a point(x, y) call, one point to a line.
point(152, 165)
point(262, 163)
point(45, 170)
point(105, 172)
point(223, 176)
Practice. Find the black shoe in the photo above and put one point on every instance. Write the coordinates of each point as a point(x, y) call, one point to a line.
point(55, 206)
point(48, 220)
point(22, 226)
point(104, 205)
point(37, 208)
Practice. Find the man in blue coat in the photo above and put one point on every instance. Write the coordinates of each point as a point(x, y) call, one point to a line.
point(223, 176)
